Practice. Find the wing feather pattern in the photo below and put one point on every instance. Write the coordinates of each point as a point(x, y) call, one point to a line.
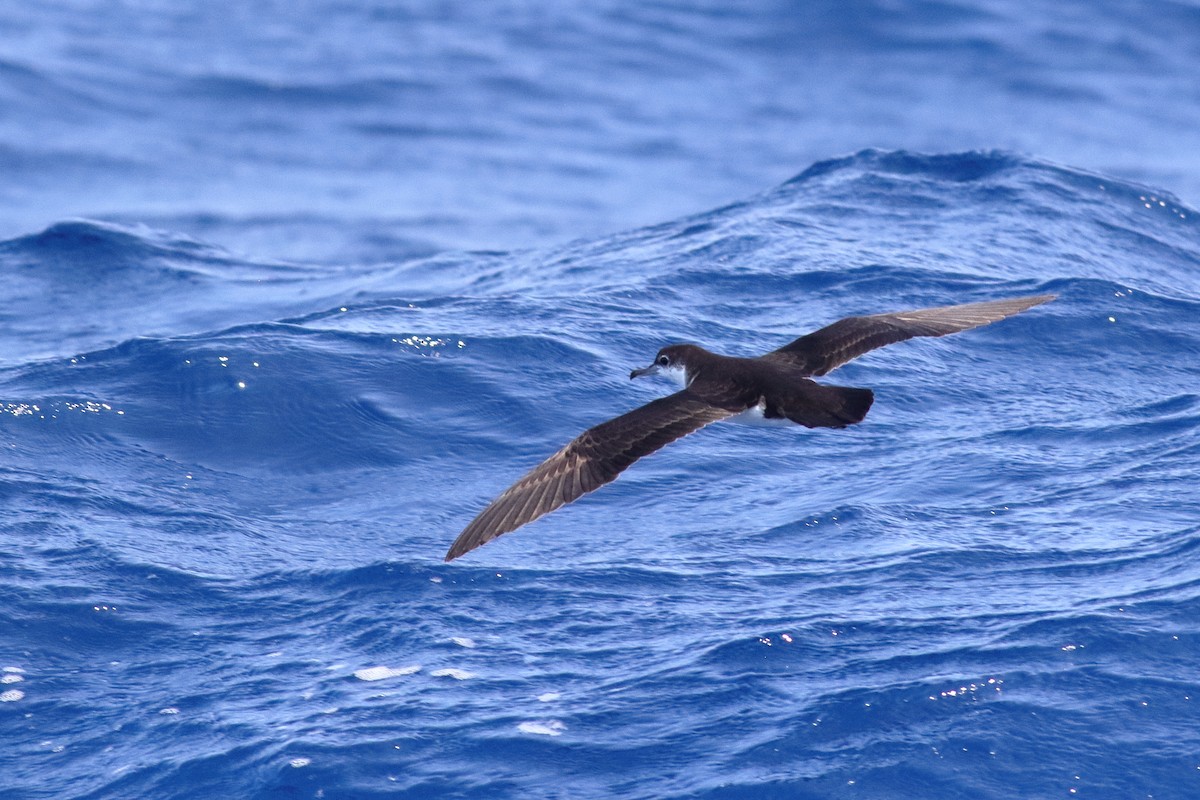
point(828, 348)
point(594, 458)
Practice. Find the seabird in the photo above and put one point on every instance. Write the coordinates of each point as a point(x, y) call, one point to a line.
point(774, 387)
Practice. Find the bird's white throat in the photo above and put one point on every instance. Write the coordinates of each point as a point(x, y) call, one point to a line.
point(677, 374)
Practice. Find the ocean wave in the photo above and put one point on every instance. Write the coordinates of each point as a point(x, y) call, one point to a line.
point(229, 483)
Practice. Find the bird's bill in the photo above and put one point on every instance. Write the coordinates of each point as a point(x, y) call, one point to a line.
point(639, 373)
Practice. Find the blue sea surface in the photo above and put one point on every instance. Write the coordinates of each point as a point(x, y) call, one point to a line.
point(292, 292)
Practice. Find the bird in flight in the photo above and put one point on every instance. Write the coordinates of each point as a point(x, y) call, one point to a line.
point(771, 388)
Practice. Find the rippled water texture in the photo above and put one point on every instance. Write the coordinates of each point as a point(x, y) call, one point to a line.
point(228, 480)
point(331, 131)
point(225, 516)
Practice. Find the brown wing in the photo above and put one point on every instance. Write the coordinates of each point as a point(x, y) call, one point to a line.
point(830, 347)
point(594, 458)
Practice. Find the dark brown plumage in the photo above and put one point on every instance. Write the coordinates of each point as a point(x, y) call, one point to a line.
point(775, 385)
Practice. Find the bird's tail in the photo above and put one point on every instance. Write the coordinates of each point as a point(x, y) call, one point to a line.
point(830, 406)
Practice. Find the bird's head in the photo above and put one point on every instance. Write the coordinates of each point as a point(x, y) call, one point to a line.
point(677, 361)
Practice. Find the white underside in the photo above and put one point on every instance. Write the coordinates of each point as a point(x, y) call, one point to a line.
point(751, 416)
point(754, 416)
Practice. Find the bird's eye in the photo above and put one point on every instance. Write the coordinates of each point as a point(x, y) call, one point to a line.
point(663, 361)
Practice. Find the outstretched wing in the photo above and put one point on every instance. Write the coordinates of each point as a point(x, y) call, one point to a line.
point(594, 458)
point(830, 347)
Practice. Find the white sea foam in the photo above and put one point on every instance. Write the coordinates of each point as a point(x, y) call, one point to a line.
point(383, 673)
point(550, 727)
point(450, 672)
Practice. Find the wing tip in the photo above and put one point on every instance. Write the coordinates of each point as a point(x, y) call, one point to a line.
point(1022, 303)
point(461, 547)
point(1015, 305)
point(1038, 299)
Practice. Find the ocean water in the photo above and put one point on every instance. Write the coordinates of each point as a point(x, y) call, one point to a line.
point(339, 132)
point(269, 344)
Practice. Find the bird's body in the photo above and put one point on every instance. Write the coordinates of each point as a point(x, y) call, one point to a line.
point(775, 388)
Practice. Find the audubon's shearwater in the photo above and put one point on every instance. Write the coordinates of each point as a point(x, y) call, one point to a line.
point(775, 387)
